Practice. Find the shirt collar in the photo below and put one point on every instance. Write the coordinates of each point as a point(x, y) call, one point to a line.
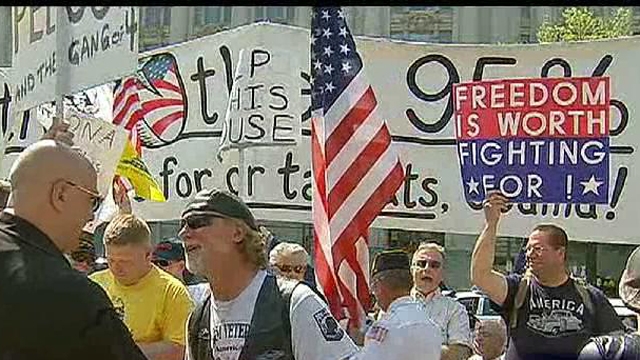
point(426, 298)
point(29, 233)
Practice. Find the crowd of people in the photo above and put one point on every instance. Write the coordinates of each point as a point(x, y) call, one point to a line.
point(226, 289)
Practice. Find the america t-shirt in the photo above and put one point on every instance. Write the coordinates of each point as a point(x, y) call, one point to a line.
point(554, 322)
point(311, 338)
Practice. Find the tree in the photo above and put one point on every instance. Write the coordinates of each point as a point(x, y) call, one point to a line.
point(581, 24)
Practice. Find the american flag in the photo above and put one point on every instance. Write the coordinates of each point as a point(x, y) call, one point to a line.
point(356, 171)
point(154, 95)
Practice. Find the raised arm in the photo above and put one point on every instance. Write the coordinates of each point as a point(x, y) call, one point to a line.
point(490, 281)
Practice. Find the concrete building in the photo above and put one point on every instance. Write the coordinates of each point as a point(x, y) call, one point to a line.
point(443, 24)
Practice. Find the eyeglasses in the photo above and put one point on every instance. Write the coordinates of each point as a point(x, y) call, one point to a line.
point(290, 268)
point(197, 221)
point(95, 197)
point(162, 262)
point(535, 248)
point(424, 263)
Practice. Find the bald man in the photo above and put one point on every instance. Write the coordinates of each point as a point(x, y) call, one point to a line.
point(47, 309)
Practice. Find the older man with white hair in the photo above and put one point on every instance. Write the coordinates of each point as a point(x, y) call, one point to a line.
point(289, 260)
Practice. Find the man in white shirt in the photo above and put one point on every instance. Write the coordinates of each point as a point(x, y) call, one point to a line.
point(427, 269)
point(250, 314)
point(404, 331)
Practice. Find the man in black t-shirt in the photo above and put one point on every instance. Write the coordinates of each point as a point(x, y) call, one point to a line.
point(627, 346)
point(549, 314)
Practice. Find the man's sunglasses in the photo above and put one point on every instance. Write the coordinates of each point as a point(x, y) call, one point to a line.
point(95, 197)
point(288, 268)
point(197, 221)
point(422, 264)
point(162, 262)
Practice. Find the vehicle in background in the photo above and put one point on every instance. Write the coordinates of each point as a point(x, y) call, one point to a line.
point(628, 317)
point(478, 306)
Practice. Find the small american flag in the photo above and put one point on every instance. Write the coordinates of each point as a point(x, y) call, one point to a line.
point(356, 171)
point(154, 96)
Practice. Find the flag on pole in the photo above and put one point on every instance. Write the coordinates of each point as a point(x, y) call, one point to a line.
point(356, 170)
point(151, 105)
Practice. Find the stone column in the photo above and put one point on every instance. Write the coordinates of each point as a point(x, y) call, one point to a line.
point(5, 36)
point(180, 21)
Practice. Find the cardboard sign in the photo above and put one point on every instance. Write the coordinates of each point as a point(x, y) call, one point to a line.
point(536, 140)
point(101, 141)
point(261, 102)
point(63, 50)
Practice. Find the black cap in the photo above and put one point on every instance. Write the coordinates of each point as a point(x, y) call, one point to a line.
point(390, 260)
point(221, 203)
point(168, 250)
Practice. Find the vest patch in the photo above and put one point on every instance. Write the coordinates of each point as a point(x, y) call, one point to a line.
point(329, 327)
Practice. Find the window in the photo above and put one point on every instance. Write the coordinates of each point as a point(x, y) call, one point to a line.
point(486, 307)
point(446, 36)
point(206, 15)
point(470, 303)
point(279, 14)
point(157, 16)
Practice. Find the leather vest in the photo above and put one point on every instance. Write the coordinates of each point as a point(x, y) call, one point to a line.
point(270, 330)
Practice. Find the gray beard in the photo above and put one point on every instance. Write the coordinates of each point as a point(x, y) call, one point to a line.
point(195, 265)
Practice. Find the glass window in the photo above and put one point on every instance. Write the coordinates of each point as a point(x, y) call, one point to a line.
point(280, 14)
point(486, 307)
point(470, 303)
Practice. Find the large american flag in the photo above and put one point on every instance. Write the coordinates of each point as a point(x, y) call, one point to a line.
point(153, 95)
point(356, 170)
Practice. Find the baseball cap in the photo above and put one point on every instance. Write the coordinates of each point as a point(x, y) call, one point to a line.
point(629, 288)
point(168, 250)
point(221, 203)
point(390, 260)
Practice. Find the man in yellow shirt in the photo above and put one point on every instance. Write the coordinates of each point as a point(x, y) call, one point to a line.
point(154, 305)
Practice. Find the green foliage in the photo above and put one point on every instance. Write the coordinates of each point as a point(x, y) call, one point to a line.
point(581, 24)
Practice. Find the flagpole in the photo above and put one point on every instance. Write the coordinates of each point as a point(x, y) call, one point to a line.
point(60, 50)
point(241, 167)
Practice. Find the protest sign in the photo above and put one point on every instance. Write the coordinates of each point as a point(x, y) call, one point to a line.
point(261, 102)
point(101, 141)
point(62, 50)
point(543, 140)
point(413, 83)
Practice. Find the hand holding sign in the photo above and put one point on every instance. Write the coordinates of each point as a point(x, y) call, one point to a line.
point(59, 131)
point(493, 205)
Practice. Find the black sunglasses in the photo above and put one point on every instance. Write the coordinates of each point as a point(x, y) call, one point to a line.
point(288, 268)
point(95, 197)
point(422, 264)
point(197, 221)
point(162, 262)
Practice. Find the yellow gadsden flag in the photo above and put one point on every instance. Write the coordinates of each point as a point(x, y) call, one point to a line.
point(133, 168)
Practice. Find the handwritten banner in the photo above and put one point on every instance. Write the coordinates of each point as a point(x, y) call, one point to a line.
point(63, 50)
point(536, 140)
point(261, 102)
point(414, 83)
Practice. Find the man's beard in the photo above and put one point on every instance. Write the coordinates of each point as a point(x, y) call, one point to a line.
point(195, 264)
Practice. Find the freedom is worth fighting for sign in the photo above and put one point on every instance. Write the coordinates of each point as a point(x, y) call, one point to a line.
point(414, 85)
point(538, 140)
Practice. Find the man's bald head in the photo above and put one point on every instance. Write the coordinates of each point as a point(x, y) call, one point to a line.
point(48, 160)
point(53, 187)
